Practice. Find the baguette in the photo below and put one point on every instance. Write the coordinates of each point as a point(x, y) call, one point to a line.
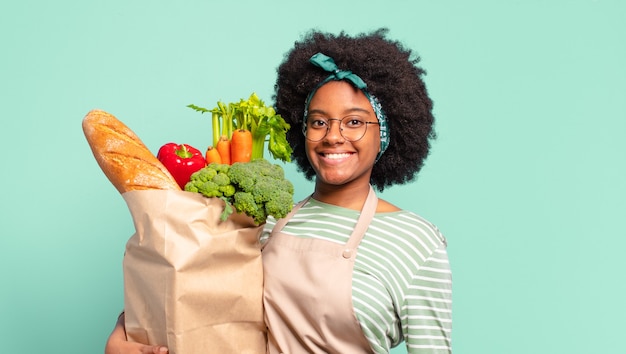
point(122, 156)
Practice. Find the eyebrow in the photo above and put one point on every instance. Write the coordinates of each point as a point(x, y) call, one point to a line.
point(348, 111)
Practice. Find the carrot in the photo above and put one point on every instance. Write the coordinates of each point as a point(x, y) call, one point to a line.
point(241, 146)
point(223, 147)
point(212, 155)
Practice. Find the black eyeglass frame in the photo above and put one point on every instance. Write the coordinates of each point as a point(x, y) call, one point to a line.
point(304, 129)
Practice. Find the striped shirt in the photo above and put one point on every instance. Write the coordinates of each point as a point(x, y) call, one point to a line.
point(402, 284)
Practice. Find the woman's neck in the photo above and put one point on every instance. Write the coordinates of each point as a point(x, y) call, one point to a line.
point(346, 196)
point(349, 196)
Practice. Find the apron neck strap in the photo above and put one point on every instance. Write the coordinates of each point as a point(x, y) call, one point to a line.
point(367, 214)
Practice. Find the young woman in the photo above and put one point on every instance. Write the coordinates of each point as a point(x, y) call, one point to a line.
point(346, 272)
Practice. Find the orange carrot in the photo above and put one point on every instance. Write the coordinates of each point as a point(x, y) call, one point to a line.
point(223, 147)
point(241, 146)
point(212, 155)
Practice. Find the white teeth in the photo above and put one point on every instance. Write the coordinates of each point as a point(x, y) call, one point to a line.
point(336, 156)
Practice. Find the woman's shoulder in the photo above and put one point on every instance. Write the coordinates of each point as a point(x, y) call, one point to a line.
point(386, 207)
point(409, 223)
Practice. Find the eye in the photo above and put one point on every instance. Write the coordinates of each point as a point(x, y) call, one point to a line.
point(317, 123)
point(353, 122)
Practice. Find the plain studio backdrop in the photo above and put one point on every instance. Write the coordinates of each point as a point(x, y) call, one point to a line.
point(526, 179)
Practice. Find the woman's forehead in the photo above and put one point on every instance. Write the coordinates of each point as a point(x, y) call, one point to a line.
point(339, 95)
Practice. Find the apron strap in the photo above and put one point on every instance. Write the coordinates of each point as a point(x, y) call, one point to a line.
point(367, 214)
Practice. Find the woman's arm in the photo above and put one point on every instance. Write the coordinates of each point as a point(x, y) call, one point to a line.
point(428, 319)
point(117, 343)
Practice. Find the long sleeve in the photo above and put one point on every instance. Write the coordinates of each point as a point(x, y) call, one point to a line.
point(427, 311)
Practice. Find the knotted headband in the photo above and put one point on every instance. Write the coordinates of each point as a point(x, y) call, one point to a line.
point(328, 64)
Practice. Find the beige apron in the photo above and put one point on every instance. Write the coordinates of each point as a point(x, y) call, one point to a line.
point(308, 290)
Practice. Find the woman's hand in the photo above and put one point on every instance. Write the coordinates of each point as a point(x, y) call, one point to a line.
point(117, 343)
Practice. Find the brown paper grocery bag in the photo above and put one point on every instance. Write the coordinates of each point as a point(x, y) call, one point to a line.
point(192, 282)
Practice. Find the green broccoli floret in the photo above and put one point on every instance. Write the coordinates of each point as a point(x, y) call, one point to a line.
point(204, 174)
point(244, 202)
point(285, 185)
point(221, 179)
point(242, 175)
point(277, 172)
point(210, 189)
point(191, 187)
point(263, 189)
point(280, 204)
point(227, 190)
point(209, 180)
point(267, 184)
point(257, 188)
point(221, 167)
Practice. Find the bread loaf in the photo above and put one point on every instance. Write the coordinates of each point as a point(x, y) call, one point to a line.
point(122, 156)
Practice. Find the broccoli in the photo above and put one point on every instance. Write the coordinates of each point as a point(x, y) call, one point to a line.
point(209, 181)
point(279, 204)
point(239, 175)
point(244, 201)
point(271, 192)
point(262, 189)
point(205, 174)
point(227, 190)
point(221, 179)
point(257, 188)
point(210, 189)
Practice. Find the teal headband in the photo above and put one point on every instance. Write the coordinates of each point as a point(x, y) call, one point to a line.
point(328, 64)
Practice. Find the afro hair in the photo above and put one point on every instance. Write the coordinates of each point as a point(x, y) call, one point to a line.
point(391, 73)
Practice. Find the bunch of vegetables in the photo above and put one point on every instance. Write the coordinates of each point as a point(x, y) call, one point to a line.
point(233, 168)
point(240, 130)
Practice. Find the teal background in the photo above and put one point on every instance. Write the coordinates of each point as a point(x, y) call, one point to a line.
point(526, 179)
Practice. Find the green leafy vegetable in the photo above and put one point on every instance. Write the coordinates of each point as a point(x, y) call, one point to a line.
point(253, 115)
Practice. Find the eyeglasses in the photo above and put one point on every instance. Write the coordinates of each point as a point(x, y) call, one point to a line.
point(351, 128)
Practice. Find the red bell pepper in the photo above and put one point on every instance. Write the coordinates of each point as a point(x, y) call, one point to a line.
point(181, 160)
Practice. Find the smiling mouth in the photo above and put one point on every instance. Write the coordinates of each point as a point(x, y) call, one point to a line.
point(338, 156)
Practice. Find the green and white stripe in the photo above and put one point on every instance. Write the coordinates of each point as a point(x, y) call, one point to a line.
point(402, 284)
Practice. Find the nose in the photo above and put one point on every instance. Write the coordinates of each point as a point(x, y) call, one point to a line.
point(333, 134)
